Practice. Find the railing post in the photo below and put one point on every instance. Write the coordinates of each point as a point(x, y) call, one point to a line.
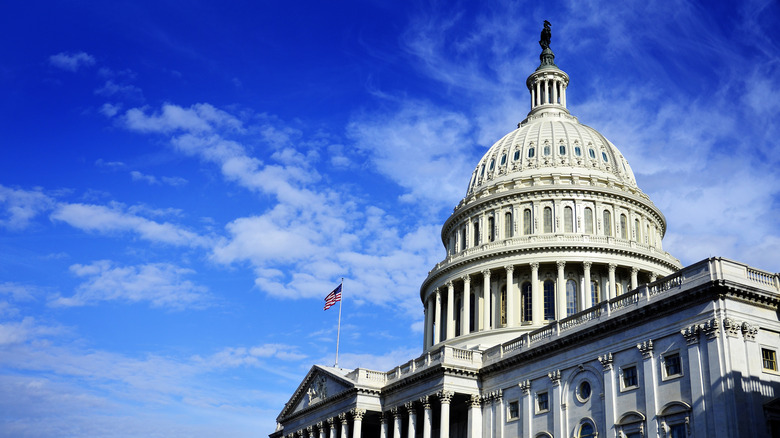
point(608, 311)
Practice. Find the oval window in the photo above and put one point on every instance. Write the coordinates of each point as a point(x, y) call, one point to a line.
point(531, 153)
point(577, 151)
point(583, 391)
point(503, 159)
point(604, 157)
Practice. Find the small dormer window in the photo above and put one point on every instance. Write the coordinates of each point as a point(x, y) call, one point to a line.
point(546, 150)
point(592, 153)
point(492, 162)
point(604, 157)
point(531, 152)
point(577, 151)
point(482, 172)
point(517, 155)
point(503, 159)
point(562, 150)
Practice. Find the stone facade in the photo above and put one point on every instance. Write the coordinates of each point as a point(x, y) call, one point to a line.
point(556, 313)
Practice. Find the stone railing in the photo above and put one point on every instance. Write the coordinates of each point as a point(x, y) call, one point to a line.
point(685, 279)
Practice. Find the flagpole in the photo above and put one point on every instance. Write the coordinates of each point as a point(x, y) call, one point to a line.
point(338, 331)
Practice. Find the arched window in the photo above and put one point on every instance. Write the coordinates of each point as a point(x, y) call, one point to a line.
point(571, 297)
point(568, 220)
point(503, 159)
point(607, 223)
point(531, 152)
point(476, 233)
point(647, 235)
point(623, 226)
point(592, 153)
point(491, 229)
point(527, 221)
point(546, 149)
point(503, 305)
point(549, 300)
point(517, 155)
point(604, 157)
point(508, 225)
point(595, 294)
point(482, 172)
point(527, 302)
point(492, 162)
point(586, 430)
point(562, 150)
point(588, 220)
point(548, 220)
point(637, 230)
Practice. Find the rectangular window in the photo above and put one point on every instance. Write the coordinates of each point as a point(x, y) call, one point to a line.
point(542, 402)
point(672, 365)
point(630, 378)
point(677, 431)
point(513, 410)
point(769, 359)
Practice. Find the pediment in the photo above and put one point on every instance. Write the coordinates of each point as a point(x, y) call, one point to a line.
point(320, 384)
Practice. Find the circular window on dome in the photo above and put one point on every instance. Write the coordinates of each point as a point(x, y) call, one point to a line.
point(503, 159)
point(592, 153)
point(531, 152)
point(517, 155)
point(604, 157)
point(577, 151)
point(562, 150)
point(583, 391)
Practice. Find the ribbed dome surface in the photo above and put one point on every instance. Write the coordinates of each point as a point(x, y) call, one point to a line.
point(548, 140)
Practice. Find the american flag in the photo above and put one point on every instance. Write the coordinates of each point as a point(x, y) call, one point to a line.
point(333, 298)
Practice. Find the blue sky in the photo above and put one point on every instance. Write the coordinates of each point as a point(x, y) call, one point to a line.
point(182, 183)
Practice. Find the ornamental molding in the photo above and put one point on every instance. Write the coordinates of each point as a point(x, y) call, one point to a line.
point(475, 400)
point(555, 377)
point(445, 396)
point(691, 334)
point(525, 386)
point(749, 331)
point(731, 327)
point(646, 348)
point(358, 413)
point(711, 328)
point(426, 402)
point(606, 361)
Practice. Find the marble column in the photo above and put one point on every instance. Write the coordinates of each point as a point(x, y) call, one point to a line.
point(510, 297)
point(437, 318)
point(554, 91)
point(474, 417)
point(444, 428)
point(411, 430)
point(561, 295)
point(538, 95)
point(537, 303)
point(612, 267)
point(383, 429)
point(588, 297)
point(357, 422)
point(634, 278)
point(427, 418)
point(321, 429)
point(396, 422)
point(450, 310)
point(332, 424)
point(649, 385)
point(610, 393)
point(555, 401)
point(344, 425)
point(486, 300)
point(653, 277)
point(466, 320)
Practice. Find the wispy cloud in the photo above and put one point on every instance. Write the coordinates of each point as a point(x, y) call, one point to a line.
point(18, 207)
point(153, 180)
point(102, 219)
point(160, 284)
point(71, 61)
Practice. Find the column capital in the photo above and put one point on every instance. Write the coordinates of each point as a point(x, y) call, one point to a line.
point(612, 267)
point(310, 430)
point(555, 377)
point(445, 396)
point(691, 334)
point(343, 417)
point(466, 279)
point(383, 417)
point(587, 264)
point(731, 327)
point(395, 412)
point(475, 401)
point(535, 266)
point(409, 406)
point(426, 402)
point(320, 424)
point(449, 285)
point(634, 270)
point(646, 348)
point(358, 413)
point(525, 386)
point(331, 422)
point(438, 293)
point(749, 331)
point(486, 273)
point(711, 328)
point(560, 264)
point(606, 361)
point(509, 268)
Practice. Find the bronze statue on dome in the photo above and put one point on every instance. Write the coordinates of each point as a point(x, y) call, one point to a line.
point(546, 36)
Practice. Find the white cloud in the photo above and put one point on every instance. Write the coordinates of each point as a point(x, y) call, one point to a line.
point(71, 61)
point(110, 110)
point(383, 362)
point(102, 219)
point(153, 180)
point(18, 207)
point(23, 331)
point(159, 284)
point(198, 118)
point(111, 88)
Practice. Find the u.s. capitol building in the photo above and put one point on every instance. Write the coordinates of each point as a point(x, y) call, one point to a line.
point(557, 313)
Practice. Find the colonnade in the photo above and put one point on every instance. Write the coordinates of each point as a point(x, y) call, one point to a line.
point(445, 322)
point(549, 90)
